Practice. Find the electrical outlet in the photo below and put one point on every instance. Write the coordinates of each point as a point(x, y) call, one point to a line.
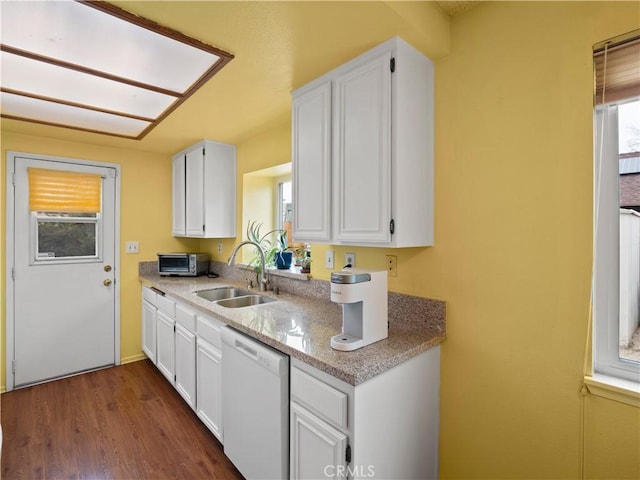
point(132, 247)
point(392, 265)
point(328, 259)
point(219, 247)
point(350, 259)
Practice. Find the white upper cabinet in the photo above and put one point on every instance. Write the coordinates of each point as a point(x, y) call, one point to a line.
point(311, 147)
point(361, 152)
point(204, 191)
point(374, 144)
point(194, 193)
point(179, 184)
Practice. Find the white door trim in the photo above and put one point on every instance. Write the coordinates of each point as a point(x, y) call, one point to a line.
point(10, 246)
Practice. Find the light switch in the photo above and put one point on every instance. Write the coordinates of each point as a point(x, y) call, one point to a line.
point(132, 247)
point(328, 259)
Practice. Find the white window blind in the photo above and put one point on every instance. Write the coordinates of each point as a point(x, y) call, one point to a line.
point(617, 69)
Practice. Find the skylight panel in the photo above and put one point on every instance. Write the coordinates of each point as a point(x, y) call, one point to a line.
point(75, 33)
point(58, 114)
point(97, 57)
point(45, 80)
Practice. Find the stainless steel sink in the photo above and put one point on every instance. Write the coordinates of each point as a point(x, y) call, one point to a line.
point(245, 301)
point(221, 293)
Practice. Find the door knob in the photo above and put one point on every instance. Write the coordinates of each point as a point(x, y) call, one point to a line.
point(107, 268)
point(107, 282)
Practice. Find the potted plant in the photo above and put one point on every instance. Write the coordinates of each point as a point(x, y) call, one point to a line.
point(302, 254)
point(268, 247)
point(283, 254)
point(305, 265)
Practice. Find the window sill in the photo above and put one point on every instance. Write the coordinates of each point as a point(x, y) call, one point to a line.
point(293, 272)
point(624, 391)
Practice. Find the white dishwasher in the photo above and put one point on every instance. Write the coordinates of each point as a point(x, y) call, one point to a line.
point(255, 406)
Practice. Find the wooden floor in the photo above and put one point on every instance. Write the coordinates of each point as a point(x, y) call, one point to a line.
point(124, 422)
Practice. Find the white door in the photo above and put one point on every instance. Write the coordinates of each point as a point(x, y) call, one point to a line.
point(64, 294)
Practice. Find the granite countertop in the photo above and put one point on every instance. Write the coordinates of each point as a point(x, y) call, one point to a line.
point(302, 327)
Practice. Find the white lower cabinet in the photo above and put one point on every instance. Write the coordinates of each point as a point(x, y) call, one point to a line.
point(149, 323)
point(186, 365)
point(209, 381)
point(185, 344)
point(317, 448)
point(165, 333)
point(385, 427)
point(187, 349)
point(166, 349)
point(209, 374)
point(319, 424)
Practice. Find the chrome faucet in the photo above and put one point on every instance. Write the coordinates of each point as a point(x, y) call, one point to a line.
point(264, 281)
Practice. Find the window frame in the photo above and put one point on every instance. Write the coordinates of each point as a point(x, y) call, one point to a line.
point(280, 199)
point(606, 274)
point(38, 217)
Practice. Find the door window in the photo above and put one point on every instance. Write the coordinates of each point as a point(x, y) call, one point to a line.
point(62, 235)
point(65, 209)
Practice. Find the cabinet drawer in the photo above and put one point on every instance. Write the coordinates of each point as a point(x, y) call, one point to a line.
point(166, 305)
point(209, 329)
point(320, 398)
point(186, 317)
point(149, 295)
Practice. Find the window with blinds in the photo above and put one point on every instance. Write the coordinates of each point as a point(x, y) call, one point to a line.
point(65, 208)
point(616, 273)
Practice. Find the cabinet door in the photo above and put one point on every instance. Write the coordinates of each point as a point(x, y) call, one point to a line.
point(362, 152)
point(179, 208)
point(166, 346)
point(209, 404)
point(311, 153)
point(194, 195)
point(186, 365)
point(317, 449)
point(220, 200)
point(149, 330)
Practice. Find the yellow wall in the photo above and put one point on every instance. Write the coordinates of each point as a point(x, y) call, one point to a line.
point(258, 205)
point(259, 199)
point(513, 241)
point(513, 244)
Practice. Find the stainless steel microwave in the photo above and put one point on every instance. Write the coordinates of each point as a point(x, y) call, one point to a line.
point(183, 264)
